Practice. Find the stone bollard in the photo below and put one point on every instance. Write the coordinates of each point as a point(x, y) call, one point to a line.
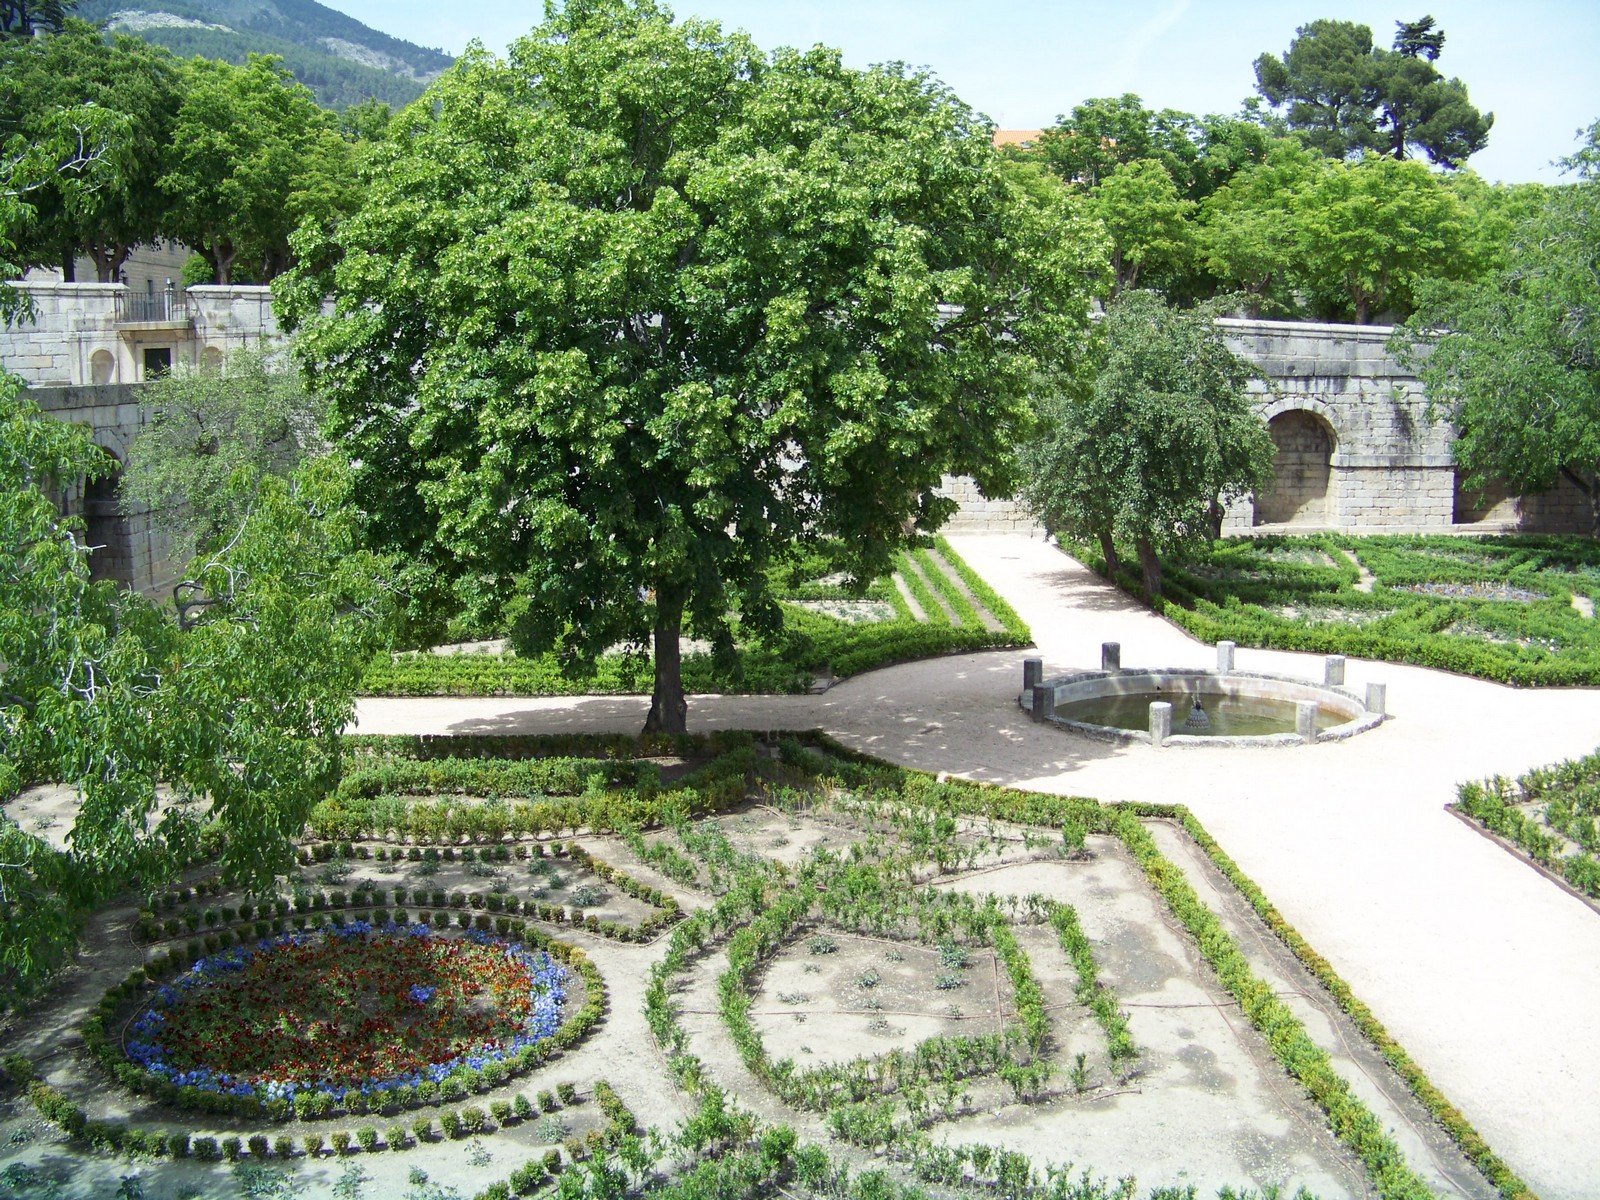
point(1111, 656)
point(1225, 657)
point(1044, 701)
point(1160, 723)
point(1305, 719)
point(1378, 698)
point(1032, 673)
point(1333, 670)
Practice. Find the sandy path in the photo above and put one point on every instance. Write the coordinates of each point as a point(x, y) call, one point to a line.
point(1485, 971)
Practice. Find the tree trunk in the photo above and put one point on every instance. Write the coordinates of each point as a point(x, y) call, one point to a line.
point(222, 253)
point(69, 265)
point(1151, 566)
point(669, 711)
point(1108, 551)
point(1361, 308)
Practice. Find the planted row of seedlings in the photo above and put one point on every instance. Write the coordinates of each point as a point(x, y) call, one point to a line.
point(179, 913)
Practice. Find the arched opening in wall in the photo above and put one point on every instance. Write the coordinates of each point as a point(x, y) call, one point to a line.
point(102, 368)
point(111, 549)
point(1302, 471)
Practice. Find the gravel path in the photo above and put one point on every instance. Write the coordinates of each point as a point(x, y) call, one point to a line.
point(1485, 971)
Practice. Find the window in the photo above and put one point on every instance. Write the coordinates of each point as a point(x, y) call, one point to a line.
point(157, 361)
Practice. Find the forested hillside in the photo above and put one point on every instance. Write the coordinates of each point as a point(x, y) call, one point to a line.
point(336, 56)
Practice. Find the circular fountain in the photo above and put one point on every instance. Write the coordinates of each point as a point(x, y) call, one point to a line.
point(1181, 706)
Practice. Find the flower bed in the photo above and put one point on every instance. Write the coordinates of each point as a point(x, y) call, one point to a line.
point(355, 1008)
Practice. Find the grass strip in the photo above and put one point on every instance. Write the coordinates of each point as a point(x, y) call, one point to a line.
point(987, 596)
point(921, 592)
point(966, 614)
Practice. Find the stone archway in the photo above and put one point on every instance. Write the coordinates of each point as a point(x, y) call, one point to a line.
point(1302, 471)
point(107, 527)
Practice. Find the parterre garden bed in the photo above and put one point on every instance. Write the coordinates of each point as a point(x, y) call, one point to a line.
point(933, 604)
point(1551, 814)
point(1512, 609)
point(811, 973)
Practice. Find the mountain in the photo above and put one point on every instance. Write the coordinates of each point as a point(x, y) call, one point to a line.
point(337, 57)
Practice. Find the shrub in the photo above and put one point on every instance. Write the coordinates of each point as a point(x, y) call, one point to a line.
point(521, 1106)
point(473, 1119)
point(313, 1144)
point(450, 1122)
point(205, 1149)
point(231, 1147)
point(283, 1146)
point(422, 1127)
point(568, 1091)
point(395, 1137)
point(367, 1138)
point(258, 1145)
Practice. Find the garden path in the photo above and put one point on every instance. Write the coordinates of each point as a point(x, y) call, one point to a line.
point(1485, 971)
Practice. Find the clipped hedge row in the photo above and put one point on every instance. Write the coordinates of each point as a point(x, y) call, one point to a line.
point(121, 1137)
point(1236, 591)
point(810, 643)
point(264, 918)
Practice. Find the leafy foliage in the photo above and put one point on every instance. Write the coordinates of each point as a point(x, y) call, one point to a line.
point(1517, 366)
point(1550, 814)
point(215, 435)
point(1153, 442)
point(103, 692)
point(604, 329)
point(1346, 96)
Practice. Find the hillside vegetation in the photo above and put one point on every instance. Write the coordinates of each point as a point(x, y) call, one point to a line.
point(340, 59)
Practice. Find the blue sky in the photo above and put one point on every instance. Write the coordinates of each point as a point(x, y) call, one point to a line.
point(1534, 63)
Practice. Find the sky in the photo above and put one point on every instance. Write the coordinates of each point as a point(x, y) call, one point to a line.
point(1534, 63)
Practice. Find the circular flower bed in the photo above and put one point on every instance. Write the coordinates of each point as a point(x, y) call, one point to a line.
point(351, 1008)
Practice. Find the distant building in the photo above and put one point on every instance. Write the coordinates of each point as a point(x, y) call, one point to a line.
point(1022, 139)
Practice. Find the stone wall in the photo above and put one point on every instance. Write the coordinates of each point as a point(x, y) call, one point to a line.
point(980, 515)
point(83, 334)
point(127, 548)
point(1357, 449)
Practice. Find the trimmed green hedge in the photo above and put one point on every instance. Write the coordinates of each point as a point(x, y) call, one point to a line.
point(810, 645)
point(1238, 590)
point(1563, 804)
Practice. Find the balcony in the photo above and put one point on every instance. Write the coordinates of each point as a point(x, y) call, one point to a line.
point(154, 312)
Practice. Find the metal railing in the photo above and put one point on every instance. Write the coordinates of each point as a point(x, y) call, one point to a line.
point(169, 305)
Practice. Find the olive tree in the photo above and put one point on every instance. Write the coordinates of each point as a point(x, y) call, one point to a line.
point(630, 315)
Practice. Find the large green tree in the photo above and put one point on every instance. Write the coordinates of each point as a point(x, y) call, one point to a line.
point(42, 77)
point(1517, 366)
point(1346, 96)
point(1368, 233)
point(1245, 236)
point(252, 156)
point(1147, 221)
point(215, 434)
point(1154, 439)
point(625, 318)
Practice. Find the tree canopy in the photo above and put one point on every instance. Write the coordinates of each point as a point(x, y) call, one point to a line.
point(231, 721)
point(1157, 435)
point(1514, 358)
point(215, 434)
point(43, 77)
point(627, 317)
point(1345, 96)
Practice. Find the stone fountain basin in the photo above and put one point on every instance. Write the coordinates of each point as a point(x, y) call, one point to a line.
point(1342, 713)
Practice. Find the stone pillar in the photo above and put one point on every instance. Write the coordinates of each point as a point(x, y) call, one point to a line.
point(1160, 723)
point(1333, 670)
point(1032, 673)
point(1044, 701)
point(1378, 698)
point(1225, 657)
point(1111, 656)
point(1305, 720)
